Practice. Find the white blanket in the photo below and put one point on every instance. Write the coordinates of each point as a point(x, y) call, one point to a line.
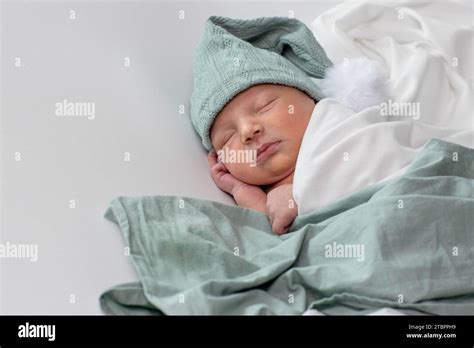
point(427, 51)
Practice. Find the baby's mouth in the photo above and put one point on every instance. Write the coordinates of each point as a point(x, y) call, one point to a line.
point(266, 150)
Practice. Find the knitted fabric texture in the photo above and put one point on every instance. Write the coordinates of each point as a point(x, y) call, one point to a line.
point(235, 54)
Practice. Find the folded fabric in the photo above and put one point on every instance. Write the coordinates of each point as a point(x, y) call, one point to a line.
point(407, 243)
point(429, 57)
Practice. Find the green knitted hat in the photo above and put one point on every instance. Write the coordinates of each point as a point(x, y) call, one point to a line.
point(235, 54)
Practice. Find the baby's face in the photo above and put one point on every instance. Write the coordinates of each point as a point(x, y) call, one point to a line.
point(263, 114)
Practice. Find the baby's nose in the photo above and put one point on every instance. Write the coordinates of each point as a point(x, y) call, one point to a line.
point(249, 138)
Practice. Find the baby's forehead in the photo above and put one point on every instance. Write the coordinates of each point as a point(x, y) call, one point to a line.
point(254, 94)
point(256, 90)
point(247, 98)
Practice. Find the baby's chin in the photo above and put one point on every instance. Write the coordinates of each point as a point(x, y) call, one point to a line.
point(259, 181)
point(263, 176)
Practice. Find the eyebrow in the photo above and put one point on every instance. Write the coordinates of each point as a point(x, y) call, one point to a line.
point(263, 96)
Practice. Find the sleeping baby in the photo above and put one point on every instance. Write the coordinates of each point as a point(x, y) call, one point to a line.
point(256, 84)
point(268, 120)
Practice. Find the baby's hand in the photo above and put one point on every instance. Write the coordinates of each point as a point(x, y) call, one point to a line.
point(281, 208)
point(221, 176)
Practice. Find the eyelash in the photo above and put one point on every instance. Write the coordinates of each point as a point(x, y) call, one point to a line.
point(271, 102)
point(227, 140)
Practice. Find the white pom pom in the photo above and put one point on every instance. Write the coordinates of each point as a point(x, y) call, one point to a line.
point(358, 83)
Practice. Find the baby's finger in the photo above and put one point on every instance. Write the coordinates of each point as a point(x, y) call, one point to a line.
point(212, 158)
point(278, 226)
point(270, 217)
point(224, 168)
point(218, 168)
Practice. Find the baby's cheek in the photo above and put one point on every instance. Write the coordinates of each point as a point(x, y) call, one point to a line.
point(253, 175)
point(241, 171)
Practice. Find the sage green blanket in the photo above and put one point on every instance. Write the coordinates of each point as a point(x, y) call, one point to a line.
point(407, 243)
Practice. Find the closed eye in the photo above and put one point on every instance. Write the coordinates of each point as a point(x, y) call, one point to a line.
point(267, 106)
point(227, 138)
